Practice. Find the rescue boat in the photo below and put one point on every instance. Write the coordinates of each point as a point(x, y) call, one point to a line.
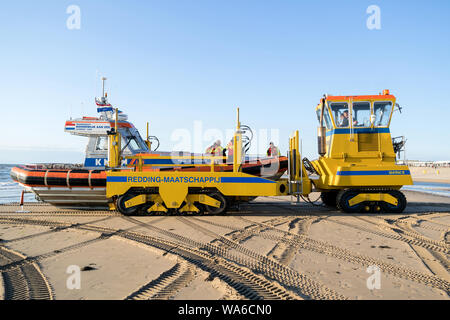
point(75, 186)
point(84, 185)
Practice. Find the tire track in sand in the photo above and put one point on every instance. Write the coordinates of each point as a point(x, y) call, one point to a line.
point(167, 284)
point(349, 256)
point(204, 256)
point(23, 282)
point(285, 276)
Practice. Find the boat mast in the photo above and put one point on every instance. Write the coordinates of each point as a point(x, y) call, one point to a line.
point(103, 85)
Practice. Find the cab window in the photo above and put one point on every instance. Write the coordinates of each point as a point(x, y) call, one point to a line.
point(382, 111)
point(326, 118)
point(340, 112)
point(361, 114)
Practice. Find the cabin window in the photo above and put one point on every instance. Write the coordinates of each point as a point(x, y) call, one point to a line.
point(141, 142)
point(326, 118)
point(382, 111)
point(101, 144)
point(130, 143)
point(132, 140)
point(133, 144)
point(361, 114)
point(340, 113)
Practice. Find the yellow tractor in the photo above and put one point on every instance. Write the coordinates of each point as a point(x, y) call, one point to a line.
point(357, 168)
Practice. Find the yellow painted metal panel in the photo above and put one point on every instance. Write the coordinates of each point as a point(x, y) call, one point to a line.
point(173, 195)
point(362, 197)
point(140, 199)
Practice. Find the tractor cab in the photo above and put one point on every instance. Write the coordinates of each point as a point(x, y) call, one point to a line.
point(356, 149)
point(352, 126)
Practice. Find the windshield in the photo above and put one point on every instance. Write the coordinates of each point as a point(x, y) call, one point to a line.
point(361, 114)
point(132, 141)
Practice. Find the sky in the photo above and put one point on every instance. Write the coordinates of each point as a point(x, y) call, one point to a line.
point(179, 64)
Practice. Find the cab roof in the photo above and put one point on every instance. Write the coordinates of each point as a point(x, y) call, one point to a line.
point(383, 96)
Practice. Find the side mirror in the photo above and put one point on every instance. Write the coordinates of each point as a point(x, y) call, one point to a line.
point(398, 107)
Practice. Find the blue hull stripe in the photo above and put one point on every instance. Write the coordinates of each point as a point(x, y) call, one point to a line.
point(357, 130)
point(374, 173)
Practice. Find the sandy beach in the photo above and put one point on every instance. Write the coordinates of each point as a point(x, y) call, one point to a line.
point(429, 174)
point(270, 249)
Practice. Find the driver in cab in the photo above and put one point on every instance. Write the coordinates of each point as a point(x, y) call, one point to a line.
point(343, 119)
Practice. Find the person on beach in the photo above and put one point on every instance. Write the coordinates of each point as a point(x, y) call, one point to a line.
point(273, 151)
point(229, 150)
point(215, 149)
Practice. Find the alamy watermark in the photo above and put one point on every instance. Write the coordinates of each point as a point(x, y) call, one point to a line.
point(73, 22)
point(74, 280)
point(200, 137)
point(374, 280)
point(202, 140)
point(374, 20)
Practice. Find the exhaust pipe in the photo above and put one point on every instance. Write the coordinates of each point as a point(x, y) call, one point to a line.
point(321, 142)
point(321, 133)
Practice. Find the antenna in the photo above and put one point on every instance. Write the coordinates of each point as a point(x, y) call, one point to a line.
point(103, 84)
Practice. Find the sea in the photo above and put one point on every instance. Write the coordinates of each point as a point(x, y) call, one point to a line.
point(436, 188)
point(10, 191)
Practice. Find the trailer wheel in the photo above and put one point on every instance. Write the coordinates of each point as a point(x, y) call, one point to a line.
point(223, 204)
point(343, 198)
point(121, 204)
point(329, 198)
point(143, 209)
point(387, 207)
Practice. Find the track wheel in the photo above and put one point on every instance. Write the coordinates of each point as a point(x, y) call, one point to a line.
point(343, 198)
point(121, 205)
point(143, 209)
point(223, 204)
point(401, 205)
point(329, 198)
